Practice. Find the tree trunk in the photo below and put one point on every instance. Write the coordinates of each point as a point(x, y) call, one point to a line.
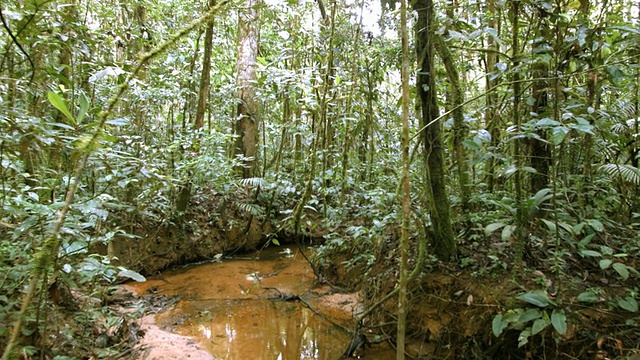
point(205, 80)
point(491, 114)
point(539, 151)
point(515, 48)
point(246, 125)
point(460, 130)
point(444, 245)
point(406, 195)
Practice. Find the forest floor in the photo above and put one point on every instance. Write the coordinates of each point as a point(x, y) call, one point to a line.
point(485, 306)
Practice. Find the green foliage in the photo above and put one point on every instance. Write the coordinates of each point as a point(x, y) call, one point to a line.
point(583, 221)
point(531, 321)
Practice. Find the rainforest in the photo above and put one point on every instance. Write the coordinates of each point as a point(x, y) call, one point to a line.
point(319, 179)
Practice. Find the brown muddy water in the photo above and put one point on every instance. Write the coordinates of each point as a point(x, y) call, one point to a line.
point(249, 307)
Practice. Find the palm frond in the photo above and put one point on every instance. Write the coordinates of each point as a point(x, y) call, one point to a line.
point(253, 209)
point(253, 182)
point(626, 173)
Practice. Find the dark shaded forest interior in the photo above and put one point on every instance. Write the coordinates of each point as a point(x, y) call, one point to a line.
point(463, 174)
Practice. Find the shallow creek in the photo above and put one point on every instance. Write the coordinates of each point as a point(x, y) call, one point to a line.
point(257, 307)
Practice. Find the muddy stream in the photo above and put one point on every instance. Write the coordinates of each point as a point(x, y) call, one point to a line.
point(255, 306)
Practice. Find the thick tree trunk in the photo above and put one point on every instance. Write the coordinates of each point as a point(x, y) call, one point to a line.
point(246, 125)
point(444, 245)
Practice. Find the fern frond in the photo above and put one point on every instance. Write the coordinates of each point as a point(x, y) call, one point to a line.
point(626, 173)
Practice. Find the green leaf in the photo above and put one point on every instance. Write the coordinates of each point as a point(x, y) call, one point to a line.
point(558, 134)
point(584, 128)
point(539, 325)
point(595, 224)
point(559, 321)
point(275, 242)
point(550, 225)
point(586, 240)
point(523, 338)
point(592, 253)
point(512, 316)
point(629, 304)
point(546, 122)
point(59, 104)
point(131, 275)
point(471, 145)
point(507, 231)
point(493, 227)
point(621, 269)
point(84, 106)
point(498, 326)
point(530, 314)
point(588, 297)
point(536, 297)
point(605, 263)
point(616, 75)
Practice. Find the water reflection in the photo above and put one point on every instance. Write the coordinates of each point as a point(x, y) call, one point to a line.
point(260, 329)
point(231, 316)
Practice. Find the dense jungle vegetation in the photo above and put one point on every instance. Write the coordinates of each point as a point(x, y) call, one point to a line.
point(472, 167)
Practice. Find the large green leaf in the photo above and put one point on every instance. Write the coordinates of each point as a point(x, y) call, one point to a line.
point(536, 297)
point(498, 326)
point(530, 314)
point(621, 269)
point(59, 104)
point(558, 134)
point(629, 304)
point(507, 231)
point(493, 227)
point(559, 321)
point(84, 106)
point(605, 263)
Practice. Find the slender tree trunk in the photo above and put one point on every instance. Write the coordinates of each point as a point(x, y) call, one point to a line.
point(517, 153)
point(246, 125)
point(491, 114)
point(366, 142)
point(439, 207)
point(327, 115)
point(460, 129)
point(406, 195)
point(188, 107)
point(355, 76)
point(205, 77)
point(540, 153)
